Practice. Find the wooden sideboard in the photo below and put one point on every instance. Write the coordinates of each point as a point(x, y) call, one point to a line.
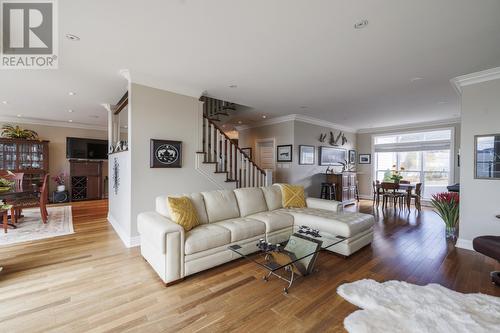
point(86, 180)
point(345, 186)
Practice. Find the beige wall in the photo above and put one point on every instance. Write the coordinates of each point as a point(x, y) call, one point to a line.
point(480, 198)
point(365, 146)
point(296, 133)
point(159, 114)
point(57, 146)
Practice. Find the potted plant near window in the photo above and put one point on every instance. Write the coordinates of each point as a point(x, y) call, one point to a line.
point(396, 174)
point(447, 206)
point(60, 180)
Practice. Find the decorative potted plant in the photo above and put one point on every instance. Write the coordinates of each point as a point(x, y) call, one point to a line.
point(60, 180)
point(396, 174)
point(5, 185)
point(16, 132)
point(447, 205)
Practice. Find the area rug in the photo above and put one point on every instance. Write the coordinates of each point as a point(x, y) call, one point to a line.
point(396, 306)
point(31, 227)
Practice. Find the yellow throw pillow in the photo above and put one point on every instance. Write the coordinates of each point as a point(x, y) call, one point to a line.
point(293, 196)
point(183, 213)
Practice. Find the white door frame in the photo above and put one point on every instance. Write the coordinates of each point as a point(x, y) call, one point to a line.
point(257, 150)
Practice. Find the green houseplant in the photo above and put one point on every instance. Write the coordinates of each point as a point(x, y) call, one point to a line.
point(447, 206)
point(17, 132)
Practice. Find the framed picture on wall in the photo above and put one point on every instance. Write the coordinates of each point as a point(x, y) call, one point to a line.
point(352, 156)
point(247, 151)
point(365, 159)
point(165, 154)
point(306, 155)
point(284, 153)
point(332, 156)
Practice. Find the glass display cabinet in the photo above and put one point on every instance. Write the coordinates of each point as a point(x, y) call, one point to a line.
point(30, 157)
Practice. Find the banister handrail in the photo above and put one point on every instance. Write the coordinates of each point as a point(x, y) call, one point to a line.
point(236, 146)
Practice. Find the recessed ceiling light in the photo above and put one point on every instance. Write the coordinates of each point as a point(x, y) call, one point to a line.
point(19, 115)
point(73, 38)
point(71, 110)
point(70, 121)
point(72, 93)
point(416, 78)
point(233, 86)
point(264, 116)
point(240, 122)
point(360, 24)
point(5, 102)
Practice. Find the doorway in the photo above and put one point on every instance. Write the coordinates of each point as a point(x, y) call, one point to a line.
point(265, 153)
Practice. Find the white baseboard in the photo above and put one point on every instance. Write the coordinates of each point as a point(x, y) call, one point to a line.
point(464, 244)
point(126, 239)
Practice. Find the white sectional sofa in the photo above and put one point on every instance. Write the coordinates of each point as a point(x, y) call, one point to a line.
point(241, 216)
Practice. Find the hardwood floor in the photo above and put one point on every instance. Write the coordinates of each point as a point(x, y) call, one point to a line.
point(89, 282)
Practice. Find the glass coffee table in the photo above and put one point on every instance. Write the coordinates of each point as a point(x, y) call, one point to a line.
point(294, 258)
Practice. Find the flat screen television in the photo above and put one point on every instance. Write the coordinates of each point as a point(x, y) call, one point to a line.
point(87, 149)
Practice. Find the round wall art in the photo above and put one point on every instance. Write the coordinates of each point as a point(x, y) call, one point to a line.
point(166, 154)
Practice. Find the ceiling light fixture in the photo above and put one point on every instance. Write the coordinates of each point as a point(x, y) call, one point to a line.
point(240, 122)
point(72, 93)
point(361, 24)
point(264, 116)
point(19, 115)
point(71, 110)
point(5, 102)
point(70, 121)
point(73, 38)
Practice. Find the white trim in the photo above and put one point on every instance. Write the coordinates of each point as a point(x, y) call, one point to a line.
point(127, 240)
point(35, 121)
point(199, 159)
point(473, 78)
point(464, 244)
point(297, 117)
point(415, 126)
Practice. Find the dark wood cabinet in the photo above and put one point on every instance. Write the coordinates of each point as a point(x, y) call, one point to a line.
point(345, 186)
point(86, 180)
point(30, 157)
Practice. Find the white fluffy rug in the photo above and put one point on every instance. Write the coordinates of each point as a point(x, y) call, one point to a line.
point(396, 306)
point(31, 227)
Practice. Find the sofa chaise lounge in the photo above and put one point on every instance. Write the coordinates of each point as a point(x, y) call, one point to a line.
point(242, 216)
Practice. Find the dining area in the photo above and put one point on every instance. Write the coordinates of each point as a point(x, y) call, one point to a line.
point(16, 196)
point(400, 194)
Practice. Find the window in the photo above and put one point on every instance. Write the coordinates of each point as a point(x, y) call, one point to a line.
point(425, 156)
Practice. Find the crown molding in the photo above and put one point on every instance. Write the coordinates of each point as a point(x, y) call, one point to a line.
point(449, 121)
point(297, 117)
point(473, 78)
point(43, 122)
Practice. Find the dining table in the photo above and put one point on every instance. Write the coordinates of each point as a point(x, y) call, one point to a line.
point(408, 187)
point(13, 194)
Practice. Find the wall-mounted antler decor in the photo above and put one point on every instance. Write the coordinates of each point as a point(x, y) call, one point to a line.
point(322, 137)
point(334, 140)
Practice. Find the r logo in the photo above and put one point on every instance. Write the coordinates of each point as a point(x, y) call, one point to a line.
point(27, 28)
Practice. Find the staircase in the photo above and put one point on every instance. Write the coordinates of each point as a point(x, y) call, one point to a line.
point(219, 150)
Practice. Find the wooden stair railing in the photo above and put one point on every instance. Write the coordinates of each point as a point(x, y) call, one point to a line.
point(219, 149)
point(213, 108)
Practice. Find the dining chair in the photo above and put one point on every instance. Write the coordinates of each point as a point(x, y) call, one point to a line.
point(390, 192)
point(39, 200)
point(17, 178)
point(417, 196)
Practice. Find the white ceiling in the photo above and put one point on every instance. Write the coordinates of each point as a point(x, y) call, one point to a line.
point(282, 54)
